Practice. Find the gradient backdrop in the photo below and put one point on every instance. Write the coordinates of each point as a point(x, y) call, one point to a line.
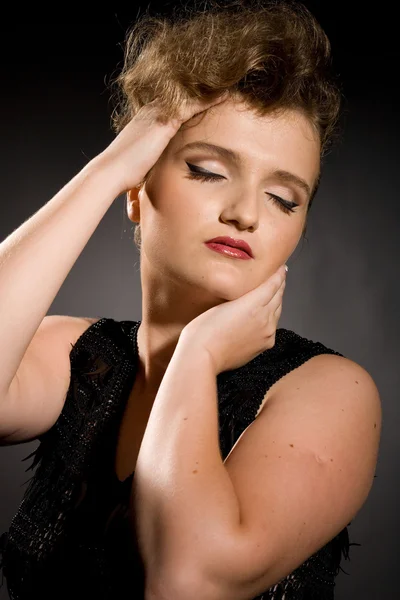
point(342, 286)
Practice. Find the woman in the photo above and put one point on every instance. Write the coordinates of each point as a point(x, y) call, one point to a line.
point(201, 452)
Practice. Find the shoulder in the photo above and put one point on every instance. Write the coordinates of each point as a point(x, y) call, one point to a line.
point(88, 328)
point(290, 344)
point(102, 339)
point(291, 351)
point(315, 446)
point(331, 406)
point(333, 384)
point(337, 373)
point(319, 363)
point(316, 371)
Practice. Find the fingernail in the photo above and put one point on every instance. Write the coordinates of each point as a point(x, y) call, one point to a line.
point(286, 268)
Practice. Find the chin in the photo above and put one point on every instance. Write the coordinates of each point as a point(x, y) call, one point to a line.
point(224, 289)
point(210, 282)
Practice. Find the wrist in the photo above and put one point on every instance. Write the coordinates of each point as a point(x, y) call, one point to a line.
point(106, 173)
point(188, 348)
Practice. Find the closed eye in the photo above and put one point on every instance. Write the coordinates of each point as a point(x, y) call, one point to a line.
point(203, 176)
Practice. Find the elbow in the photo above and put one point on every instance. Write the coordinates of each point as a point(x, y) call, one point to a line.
point(183, 585)
point(163, 587)
point(161, 590)
point(218, 578)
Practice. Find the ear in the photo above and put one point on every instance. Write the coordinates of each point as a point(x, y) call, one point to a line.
point(133, 204)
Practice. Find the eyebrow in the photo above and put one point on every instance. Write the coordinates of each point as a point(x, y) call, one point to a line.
point(234, 157)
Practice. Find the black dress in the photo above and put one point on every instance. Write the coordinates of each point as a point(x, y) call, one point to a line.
point(71, 536)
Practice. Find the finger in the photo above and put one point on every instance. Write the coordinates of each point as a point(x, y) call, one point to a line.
point(276, 301)
point(272, 286)
point(278, 312)
point(281, 281)
point(194, 107)
point(204, 104)
point(279, 277)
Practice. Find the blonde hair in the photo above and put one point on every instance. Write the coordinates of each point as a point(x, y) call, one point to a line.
point(272, 55)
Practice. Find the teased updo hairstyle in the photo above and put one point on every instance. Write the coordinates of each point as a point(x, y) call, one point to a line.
point(272, 55)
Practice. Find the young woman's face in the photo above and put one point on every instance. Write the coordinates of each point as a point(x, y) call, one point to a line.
point(278, 158)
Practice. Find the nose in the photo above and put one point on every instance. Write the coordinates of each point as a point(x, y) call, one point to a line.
point(243, 210)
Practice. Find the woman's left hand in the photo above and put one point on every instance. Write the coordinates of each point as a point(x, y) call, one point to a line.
point(237, 331)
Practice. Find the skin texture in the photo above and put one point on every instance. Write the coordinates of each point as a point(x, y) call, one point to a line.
point(181, 278)
point(283, 491)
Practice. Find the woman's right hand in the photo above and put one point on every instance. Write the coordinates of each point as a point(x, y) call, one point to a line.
point(136, 149)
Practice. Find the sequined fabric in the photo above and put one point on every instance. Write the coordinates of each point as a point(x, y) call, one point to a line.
point(73, 535)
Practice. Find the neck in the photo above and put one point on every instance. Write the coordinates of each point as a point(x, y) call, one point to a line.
point(156, 345)
point(168, 306)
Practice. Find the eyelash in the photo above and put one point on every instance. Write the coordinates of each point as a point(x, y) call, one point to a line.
point(286, 206)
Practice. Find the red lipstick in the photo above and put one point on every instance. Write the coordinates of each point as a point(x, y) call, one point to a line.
point(230, 247)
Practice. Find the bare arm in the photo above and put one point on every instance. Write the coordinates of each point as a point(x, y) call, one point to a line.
point(36, 258)
point(233, 528)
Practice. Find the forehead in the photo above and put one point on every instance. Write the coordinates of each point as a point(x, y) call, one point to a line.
point(285, 139)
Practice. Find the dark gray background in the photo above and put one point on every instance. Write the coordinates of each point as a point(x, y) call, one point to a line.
point(342, 286)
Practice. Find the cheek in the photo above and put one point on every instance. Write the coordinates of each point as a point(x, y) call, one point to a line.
point(293, 239)
point(165, 212)
point(294, 235)
point(280, 237)
point(175, 200)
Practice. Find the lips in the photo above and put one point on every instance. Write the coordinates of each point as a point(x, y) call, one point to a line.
point(228, 241)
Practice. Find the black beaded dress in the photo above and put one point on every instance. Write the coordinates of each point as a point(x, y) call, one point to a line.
point(71, 536)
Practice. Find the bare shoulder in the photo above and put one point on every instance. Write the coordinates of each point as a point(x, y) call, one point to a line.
point(59, 331)
point(333, 372)
point(338, 393)
point(340, 374)
point(75, 324)
point(309, 460)
point(38, 391)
